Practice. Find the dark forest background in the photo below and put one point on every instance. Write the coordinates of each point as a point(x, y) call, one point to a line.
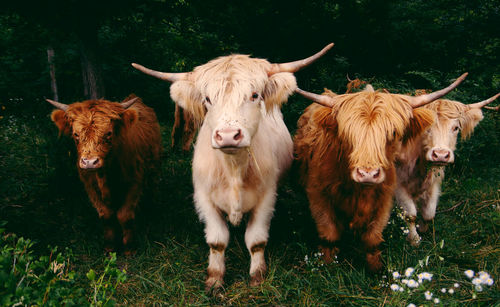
point(422, 44)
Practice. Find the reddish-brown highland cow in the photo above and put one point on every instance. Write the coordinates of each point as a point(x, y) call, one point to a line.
point(118, 148)
point(346, 150)
point(421, 162)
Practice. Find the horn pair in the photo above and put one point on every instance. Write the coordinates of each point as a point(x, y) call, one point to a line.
point(64, 107)
point(415, 102)
point(275, 68)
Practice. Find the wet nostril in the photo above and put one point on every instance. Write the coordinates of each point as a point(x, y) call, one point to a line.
point(95, 161)
point(238, 135)
point(377, 174)
point(218, 137)
point(447, 155)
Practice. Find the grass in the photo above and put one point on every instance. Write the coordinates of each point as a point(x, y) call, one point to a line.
point(42, 199)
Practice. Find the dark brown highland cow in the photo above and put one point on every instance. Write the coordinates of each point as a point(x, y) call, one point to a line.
point(118, 148)
point(346, 150)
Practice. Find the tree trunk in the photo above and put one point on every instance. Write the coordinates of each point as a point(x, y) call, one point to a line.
point(52, 70)
point(93, 87)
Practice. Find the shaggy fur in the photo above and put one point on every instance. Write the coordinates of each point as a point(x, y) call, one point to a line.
point(419, 185)
point(235, 92)
point(128, 144)
point(364, 129)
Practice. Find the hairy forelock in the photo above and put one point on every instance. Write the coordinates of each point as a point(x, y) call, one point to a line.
point(367, 120)
point(447, 109)
point(231, 78)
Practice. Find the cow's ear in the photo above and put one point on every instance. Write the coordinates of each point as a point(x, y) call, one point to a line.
point(61, 121)
point(469, 122)
point(185, 95)
point(129, 117)
point(422, 120)
point(278, 88)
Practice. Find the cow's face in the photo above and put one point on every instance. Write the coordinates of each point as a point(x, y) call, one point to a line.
point(372, 126)
point(441, 138)
point(94, 126)
point(232, 94)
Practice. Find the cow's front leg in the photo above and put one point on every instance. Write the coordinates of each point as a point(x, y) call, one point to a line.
point(217, 237)
point(126, 218)
point(429, 205)
point(410, 211)
point(101, 200)
point(329, 230)
point(257, 234)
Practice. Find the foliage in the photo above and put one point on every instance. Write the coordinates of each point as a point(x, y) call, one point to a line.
point(27, 279)
point(104, 286)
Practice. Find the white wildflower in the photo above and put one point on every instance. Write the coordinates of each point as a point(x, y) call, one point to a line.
point(488, 282)
point(436, 301)
point(469, 273)
point(411, 305)
point(428, 295)
point(451, 291)
point(396, 275)
point(401, 289)
point(409, 271)
point(479, 288)
point(443, 290)
point(404, 281)
point(483, 276)
point(425, 276)
point(412, 283)
point(394, 287)
point(456, 285)
point(476, 281)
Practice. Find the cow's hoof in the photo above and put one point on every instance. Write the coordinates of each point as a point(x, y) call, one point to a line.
point(374, 262)
point(414, 240)
point(214, 286)
point(130, 252)
point(329, 254)
point(423, 226)
point(258, 277)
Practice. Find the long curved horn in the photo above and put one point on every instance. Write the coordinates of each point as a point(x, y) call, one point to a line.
point(419, 101)
point(127, 104)
point(58, 105)
point(321, 99)
point(297, 65)
point(497, 108)
point(166, 76)
point(483, 103)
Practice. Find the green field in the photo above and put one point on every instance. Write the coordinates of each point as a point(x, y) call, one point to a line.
point(42, 199)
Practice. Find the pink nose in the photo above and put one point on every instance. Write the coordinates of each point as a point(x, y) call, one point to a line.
point(441, 155)
point(368, 175)
point(90, 163)
point(228, 137)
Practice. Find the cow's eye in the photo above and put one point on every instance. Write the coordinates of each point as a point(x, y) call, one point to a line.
point(455, 129)
point(254, 96)
point(207, 100)
point(108, 134)
point(75, 135)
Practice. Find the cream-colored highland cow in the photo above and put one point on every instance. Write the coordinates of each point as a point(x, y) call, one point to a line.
point(242, 148)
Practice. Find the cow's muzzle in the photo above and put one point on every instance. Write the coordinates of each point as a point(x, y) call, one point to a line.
point(440, 156)
point(229, 140)
point(368, 175)
point(90, 163)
